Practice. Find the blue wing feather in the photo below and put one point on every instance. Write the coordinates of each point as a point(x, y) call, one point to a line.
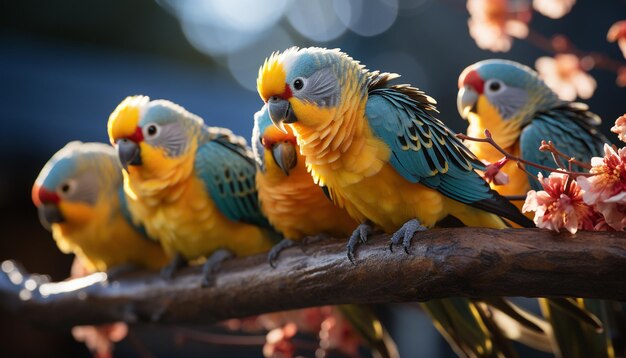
point(425, 151)
point(228, 171)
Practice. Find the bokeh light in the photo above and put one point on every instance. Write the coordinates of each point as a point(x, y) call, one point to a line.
point(367, 18)
point(316, 20)
point(235, 32)
point(223, 27)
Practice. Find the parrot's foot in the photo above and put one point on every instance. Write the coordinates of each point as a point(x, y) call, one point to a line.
point(115, 272)
point(277, 249)
point(177, 262)
point(405, 234)
point(213, 264)
point(360, 234)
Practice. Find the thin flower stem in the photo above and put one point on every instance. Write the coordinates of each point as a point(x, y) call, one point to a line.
point(509, 156)
point(546, 44)
point(549, 146)
point(531, 175)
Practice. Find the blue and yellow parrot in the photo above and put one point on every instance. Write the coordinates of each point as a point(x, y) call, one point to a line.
point(515, 105)
point(191, 186)
point(298, 208)
point(79, 195)
point(520, 111)
point(388, 161)
point(292, 202)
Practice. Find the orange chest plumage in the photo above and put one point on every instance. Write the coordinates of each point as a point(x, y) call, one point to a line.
point(297, 207)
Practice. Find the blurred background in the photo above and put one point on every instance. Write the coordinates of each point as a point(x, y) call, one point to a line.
point(65, 65)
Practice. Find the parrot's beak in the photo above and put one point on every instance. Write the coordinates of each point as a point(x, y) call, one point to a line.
point(49, 214)
point(285, 156)
point(281, 112)
point(129, 152)
point(466, 101)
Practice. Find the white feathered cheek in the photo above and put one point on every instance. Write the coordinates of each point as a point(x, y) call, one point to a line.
point(81, 188)
point(507, 100)
point(169, 136)
point(321, 88)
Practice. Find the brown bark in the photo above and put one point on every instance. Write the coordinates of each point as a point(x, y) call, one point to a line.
point(468, 262)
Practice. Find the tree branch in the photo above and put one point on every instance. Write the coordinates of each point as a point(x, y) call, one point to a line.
point(468, 262)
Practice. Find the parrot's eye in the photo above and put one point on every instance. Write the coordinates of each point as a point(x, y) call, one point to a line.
point(67, 188)
point(152, 131)
point(298, 83)
point(494, 86)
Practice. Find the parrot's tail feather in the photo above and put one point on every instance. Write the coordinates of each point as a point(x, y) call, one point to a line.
point(499, 205)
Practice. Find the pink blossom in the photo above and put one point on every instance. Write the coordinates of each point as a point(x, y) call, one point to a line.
point(100, 339)
point(493, 23)
point(607, 188)
point(617, 33)
point(494, 174)
point(620, 128)
point(553, 8)
point(308, 320)
point(337, 334)
point(559, 205)
point(278, 342)
point(609, 181)
point(614, 212)
point(565, 76)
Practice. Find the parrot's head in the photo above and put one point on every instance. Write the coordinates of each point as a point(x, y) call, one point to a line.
point(502, 89)
point(275, 151)
point(306, 86)
point(153, 139)
point(76, 184)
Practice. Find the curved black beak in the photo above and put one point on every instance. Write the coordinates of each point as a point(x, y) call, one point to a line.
point(466, 101)
point(49, 214)
point(280, 112)
point(285, 156)
point(129, 152)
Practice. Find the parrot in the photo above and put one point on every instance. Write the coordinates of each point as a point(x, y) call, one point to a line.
point(191, 186)
point(520, 110)
point(79, 196)
point(294, 205)
point(384, 157)
point(298, 208)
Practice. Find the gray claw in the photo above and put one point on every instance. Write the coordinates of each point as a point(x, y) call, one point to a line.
point(272, 256)
point(177, 262)
point(360, 234)
point(405, 234)
point(213, 265)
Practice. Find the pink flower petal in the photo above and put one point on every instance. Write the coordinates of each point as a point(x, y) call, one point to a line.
point(553, 8)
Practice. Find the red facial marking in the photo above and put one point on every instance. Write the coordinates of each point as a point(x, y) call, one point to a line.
point(471, 78)
point(42, 196)
point(137, 136)
point(268, 142)
point(286, 93)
